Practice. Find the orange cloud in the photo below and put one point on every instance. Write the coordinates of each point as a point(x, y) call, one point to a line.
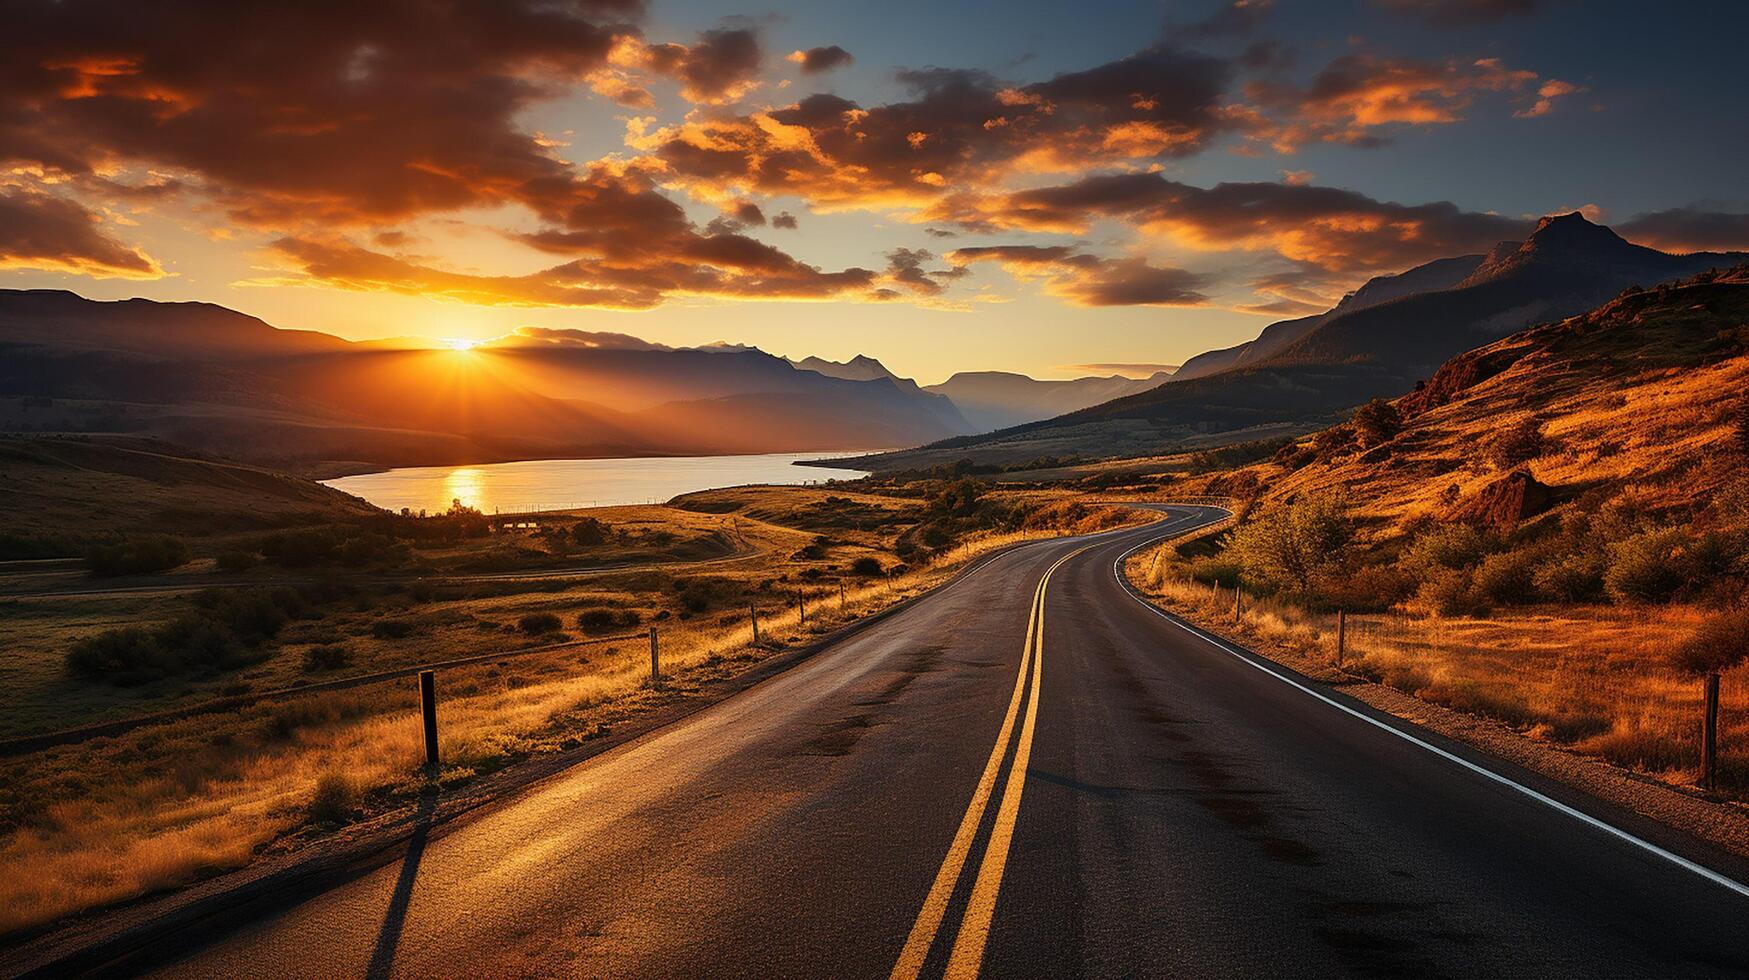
point(1089, 280)
point(42, 231)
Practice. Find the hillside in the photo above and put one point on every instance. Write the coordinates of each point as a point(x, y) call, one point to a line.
point(71, 490)
point(1642, 394)
point(1566, 267)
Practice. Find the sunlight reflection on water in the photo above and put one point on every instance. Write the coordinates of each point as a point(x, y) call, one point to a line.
point(551, 484)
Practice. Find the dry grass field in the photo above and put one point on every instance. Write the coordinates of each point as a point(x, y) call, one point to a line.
point(1593, 679)
point(109, 819)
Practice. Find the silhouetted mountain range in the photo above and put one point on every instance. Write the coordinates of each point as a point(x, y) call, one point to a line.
point(1377, 344)
point(999, 399)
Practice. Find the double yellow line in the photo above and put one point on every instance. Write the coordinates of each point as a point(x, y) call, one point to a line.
point(974, 931)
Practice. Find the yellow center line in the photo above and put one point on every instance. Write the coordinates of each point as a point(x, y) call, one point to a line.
point(968, 947)
point(935, 904)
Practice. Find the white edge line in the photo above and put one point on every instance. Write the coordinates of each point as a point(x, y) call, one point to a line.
point(1543, 798)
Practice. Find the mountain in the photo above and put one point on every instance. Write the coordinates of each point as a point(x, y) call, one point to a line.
point(1567, 266)
point(859, 368)
point(998, 399)
point(224, 382)
point(1645, 392)
point(1436, 275)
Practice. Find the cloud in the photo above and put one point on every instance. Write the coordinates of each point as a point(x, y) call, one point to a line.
point(627, 247)
point(1689, 229)
point(815, 61)
point(959, 128)
point(1546, 94)
point(1357, 94)
point(1460, 13)
point(1236, 18)
point(42, 231)
point(568, 337)
point(318, 114)
point(1323, 227)
point(721, 67)
point(1088, 280)
point(784, 220)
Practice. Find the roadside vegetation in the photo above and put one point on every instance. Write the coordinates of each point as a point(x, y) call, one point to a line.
point(107, 819)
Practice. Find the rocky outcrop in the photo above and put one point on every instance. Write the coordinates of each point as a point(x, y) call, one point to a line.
point(1507, 502)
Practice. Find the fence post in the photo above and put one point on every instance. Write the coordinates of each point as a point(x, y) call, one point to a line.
point(1238, 603)
point(753, 613)
point(801, 608)
point(1709, 735)
point(1341, 634)
point(840, 595)
point(428, 710)
point(655, 661)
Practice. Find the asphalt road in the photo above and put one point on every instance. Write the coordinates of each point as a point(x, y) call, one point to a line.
point(1030, 781)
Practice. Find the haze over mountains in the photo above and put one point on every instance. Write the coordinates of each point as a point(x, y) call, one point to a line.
point(1389, 335)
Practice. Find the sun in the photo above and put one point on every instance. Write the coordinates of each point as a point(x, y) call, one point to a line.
point(457, 343)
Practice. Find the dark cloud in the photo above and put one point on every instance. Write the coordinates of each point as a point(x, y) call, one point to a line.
point(42, 231)
point(784, 220)
point(628, 246)
point(1461, 13)
point(960, 128)
point(288, 113)
point(568, 337)
point(1235, 18)
point(1324, 227)
point(1089, 280)
point(905, 268)
point(1691, 229)
point(721, 67)
point(815, 61)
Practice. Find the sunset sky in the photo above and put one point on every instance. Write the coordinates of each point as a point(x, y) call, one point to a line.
point(1035, 187)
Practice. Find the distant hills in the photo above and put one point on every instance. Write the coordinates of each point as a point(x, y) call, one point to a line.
point(998, 399)
point(220, 381)
point(1303, 374)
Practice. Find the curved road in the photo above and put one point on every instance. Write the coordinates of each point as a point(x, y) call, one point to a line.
point(1029, 773)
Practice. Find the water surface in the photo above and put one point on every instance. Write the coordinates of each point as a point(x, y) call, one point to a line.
point(553, 484)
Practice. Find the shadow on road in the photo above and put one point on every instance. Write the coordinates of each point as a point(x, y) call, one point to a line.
point(382, 958)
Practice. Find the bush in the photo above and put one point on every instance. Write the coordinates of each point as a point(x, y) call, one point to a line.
point(1519, 445)
point(1444, 548)
point(335, 800)
point(331, 656)
point(1451, 592)
point(1651, 566)
point(539, 623)
point(1507, 578)
point(867, 565)
point(1290, 545)
point(589, 532)
point(1371, 588)
point(1719, 643)
point(598, 621)
point(391, 629)
point(237, 561)
point(125, 656)
point(1377, 422)
point(136, 556)
point(1576, 577)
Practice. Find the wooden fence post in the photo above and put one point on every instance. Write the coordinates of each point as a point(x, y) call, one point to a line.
point(1238, 603)
point(655, 661)
point(1709, 735)
point(801, 608)
point(753, 614)
point(840, 595)
point(1341, 634)
point(428, 711)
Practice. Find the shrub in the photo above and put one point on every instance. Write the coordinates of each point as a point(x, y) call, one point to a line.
point(589, 532)
point(331, 656)
point(1651, 566)
point(539, 623)
point(237, 561)
point(1451, 592)
point(1371, 588)
point(1291, 544)
point(1377, 422)
point(1719, 643)
point(1507, 578)
point(125, 656)
point(601, 620)
point(1445, 547)
point(391, 629)
point(866, 565)
point(1576, 577)
point(1519, 445)
point(335, 800)
point(136, 556)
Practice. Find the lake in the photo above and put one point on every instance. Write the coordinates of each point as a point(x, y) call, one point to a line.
point(554, 484)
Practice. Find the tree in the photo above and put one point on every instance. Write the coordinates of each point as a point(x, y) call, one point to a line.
point(1377, 422)
point(1520, 444)
point(1718, 644)
point(1290, 545)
